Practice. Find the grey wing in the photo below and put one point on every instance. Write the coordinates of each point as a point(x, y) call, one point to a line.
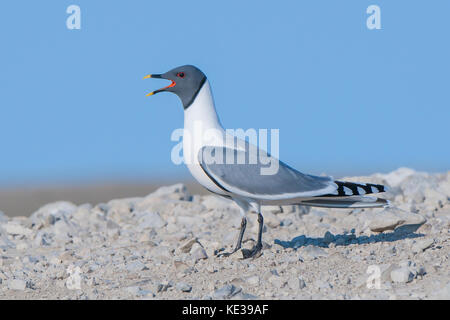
point(258, 175)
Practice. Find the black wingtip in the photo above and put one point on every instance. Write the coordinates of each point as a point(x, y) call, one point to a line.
point(347, 189)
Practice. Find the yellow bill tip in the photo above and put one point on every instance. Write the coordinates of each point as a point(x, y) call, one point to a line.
point(148, 76)
point(149, 94)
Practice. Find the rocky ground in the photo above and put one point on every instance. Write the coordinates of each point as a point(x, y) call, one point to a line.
point(163, 246)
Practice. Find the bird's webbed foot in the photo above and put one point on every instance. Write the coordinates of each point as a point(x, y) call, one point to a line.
point(255, 252)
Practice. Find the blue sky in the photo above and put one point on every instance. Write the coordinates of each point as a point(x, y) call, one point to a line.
point(347, 100)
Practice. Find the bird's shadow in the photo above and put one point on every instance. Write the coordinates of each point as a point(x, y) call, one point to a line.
point(400, 233)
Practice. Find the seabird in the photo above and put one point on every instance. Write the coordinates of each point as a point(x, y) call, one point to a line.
point(209, 148)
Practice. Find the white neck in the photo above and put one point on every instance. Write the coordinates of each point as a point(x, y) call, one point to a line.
point(202, 128)
point(201, 125)
point(202, 110)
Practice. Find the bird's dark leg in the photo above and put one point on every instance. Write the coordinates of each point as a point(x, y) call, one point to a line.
point(239, 241)
point(255, 252)
point(241, 234)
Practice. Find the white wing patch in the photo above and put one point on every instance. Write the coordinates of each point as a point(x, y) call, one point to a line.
point(361, 190)
point(348, 191)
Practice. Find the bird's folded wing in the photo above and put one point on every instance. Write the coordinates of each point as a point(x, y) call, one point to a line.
point(255, 174)
point(348, 202)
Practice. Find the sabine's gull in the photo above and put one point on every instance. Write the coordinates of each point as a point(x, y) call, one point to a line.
point(242, 181)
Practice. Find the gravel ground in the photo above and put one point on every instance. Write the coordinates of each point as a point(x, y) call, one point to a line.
point(163, 246)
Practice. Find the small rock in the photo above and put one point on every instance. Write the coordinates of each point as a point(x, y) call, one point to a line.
point(270, 210)
point(392, 218)
point(301, 283)
point(253, 280)
point(53, 212)
point(180, 266)
point(198, 252)
point(277, 281)
point(402, 275)
point(212, 202)
point(112, 225)
point(42, 238)
point(14, 228)
point(244, 296)
point(296, 283)
point(187, 246)
point(137, 291)
point(286, 222)
point(150, 220)
point(226, 292)
point(322, 285)
point(161, 252)
point(163, 286)
point(421, 271)
point(422, 245)
point(73, 282)
point(210, 268)
point(176, 192)
point(136, 266)
point(313, 252)
point(17, 284)
point(184, 287)
point(238, 282)
point(271, 220)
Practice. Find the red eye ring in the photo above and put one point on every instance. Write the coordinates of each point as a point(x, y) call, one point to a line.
point(180, 74)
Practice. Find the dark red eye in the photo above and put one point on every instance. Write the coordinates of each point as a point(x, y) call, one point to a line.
point(180, 74)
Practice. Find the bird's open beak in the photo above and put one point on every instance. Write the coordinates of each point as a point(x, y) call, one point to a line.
point(158, 76)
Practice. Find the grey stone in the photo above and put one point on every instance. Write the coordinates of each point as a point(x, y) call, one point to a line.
point(226, 292)
point(52, 212)
point(137, 291)
point(271, 220)
point(187, 246)
point(253, 280)
point(212, 202)
point(112, 225)
point(42, 238)
point(5, 243)
point(422, 245)
point(184, 287)
point(296, 283)
point(150, 220)
point(177, 191)
point(277, 281)
point(270, 210)
point(163, 286)
point(17, 284)
point(14, 228)
point(136, 266)
point(198, 252)
point(162, 252)
point(301, 283)
point(244, 296)
point(322, 285)
point(313, 252)
point(402, 275)
point(286, 222)
point(392, 218)
point(421, 271)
